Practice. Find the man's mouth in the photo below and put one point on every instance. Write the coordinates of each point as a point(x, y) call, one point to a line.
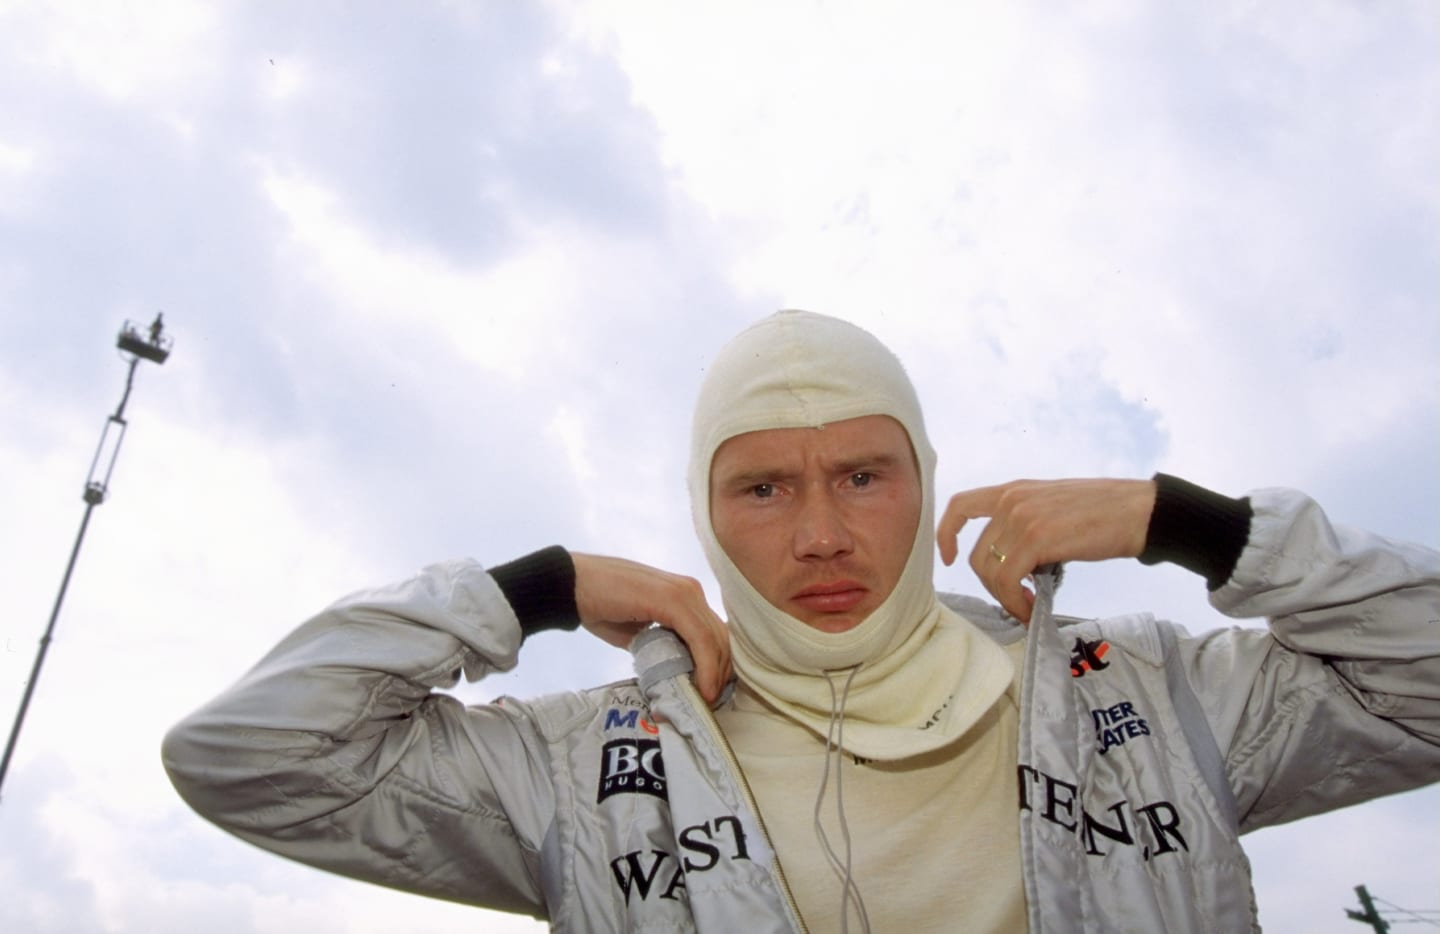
point(831, 596)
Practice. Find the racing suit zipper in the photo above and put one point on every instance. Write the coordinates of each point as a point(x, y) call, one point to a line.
point(718, 735)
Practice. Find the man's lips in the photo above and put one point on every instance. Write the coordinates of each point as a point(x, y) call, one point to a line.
point(831, 596)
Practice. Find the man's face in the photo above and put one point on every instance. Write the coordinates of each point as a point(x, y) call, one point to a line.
point(820, 521)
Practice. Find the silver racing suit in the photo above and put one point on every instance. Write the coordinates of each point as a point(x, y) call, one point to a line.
point(1144, 752)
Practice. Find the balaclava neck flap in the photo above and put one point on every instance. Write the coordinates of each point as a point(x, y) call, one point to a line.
point(921, 675)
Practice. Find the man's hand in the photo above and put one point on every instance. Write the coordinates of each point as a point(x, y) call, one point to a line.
point(1035, 522)
point(616, 599)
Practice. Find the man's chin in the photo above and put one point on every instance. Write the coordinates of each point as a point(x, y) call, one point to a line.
point(832, 623)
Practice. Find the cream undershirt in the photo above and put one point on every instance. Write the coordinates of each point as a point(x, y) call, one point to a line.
point(935, 839)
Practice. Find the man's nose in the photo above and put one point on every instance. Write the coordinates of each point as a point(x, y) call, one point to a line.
point(821, 531)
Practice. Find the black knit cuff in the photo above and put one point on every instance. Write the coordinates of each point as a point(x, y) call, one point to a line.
point(541, 589)
point(1197, 529)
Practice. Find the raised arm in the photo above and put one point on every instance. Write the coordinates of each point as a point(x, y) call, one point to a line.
point(1037, 522)
point(1338, 701)
point(335, 750)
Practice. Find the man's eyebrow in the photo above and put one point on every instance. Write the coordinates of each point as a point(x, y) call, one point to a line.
point(753, 476)
point(862, 462)
point(855, 463)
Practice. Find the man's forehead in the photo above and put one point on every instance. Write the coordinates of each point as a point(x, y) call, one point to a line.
point(859, 440)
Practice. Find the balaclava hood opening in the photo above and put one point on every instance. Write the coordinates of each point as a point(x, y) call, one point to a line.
point(796, 369)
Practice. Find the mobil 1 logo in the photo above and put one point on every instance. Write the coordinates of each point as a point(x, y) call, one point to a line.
point(631, 766)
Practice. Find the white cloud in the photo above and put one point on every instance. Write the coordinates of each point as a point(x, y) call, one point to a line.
point(16, 160)
point(1148, 192)
point(118, 51)
point(474, 310)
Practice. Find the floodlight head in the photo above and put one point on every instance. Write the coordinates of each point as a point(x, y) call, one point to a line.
point(155, 347)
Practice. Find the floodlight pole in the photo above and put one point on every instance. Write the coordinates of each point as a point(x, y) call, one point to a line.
point(153, 346)
point(1369, 916)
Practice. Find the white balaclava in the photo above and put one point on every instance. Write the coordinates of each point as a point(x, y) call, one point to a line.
point(920, 676)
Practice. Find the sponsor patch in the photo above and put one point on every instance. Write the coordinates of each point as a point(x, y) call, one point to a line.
point(1088, 656)
point(631, 766)
point(702, 847)
point(629, 720)
point(1116, 725)
point(1154, 828)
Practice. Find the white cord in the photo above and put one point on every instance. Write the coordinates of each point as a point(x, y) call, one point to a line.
point(834, 735)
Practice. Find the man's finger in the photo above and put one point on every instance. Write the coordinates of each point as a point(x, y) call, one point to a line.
point(963, 506)
point(709, 643)
point(1002, 567)
point(948, 540)
point(712, 663)
point(1012, 594)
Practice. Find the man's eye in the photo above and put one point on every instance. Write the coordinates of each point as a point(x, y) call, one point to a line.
point(763, 490)
point(861, 479)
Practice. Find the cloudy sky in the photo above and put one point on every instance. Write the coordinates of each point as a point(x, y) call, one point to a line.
point(443, 278)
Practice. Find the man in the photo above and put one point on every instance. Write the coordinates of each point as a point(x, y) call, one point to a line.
point(915, 764)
